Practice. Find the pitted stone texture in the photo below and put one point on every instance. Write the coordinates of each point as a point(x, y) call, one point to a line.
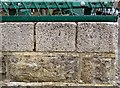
point(97, 37)
point(55, 36)
point(87, 70)
point(1, 66)
point(104, 70)
point(118, 76)
point(0, 62)
point(17, 36)
point(40, 67)
point(57, 85)
point(1, 36)
point(118, 70)
point(97, 68)
point(119, 41)
point(118, 59)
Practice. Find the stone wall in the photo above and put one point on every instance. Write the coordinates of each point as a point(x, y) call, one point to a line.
point(118, 62)
point(52, 53)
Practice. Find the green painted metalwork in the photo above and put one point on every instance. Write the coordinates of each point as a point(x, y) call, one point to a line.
point(60, 19)
point(57, 11)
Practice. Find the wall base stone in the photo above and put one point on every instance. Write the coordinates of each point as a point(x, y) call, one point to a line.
point(54, 85)
point(83, 68)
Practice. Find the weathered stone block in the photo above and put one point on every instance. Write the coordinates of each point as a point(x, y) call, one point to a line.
point(104, 70)
point(118, 60)
point(87, 70)
point(57, 85)
point(0, 66)
point(17, 36)
point(118, 75)
point(41, 67)
point(97, 37)
point(55, 36)
point(119, 41)
point(97, 68)
point(0, 37)
point(0, 62)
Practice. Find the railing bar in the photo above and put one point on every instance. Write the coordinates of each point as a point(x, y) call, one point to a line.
point(57, 0)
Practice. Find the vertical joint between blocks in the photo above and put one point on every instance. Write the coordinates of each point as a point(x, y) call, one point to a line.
point(34, 36)
point(4, 69)
point(76, 36)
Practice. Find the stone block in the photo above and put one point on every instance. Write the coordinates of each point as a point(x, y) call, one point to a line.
point(17, 36)
point(56, 85)
point(118, 70)
point(0, 37)
point(43, 67)
point(118, 75)
point(0, 62)
point(97, 68)
point(104, 70)
point(55, 36)
point(0, 66)
point(87, 70)
point(119, 41)
point(118, 60)
point(97, 37)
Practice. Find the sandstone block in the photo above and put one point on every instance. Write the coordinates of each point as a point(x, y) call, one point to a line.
point(56, 85)
point(119, 41)
point(17, 36)
point(0, 37)
point(82, 68)
point(118, 60)
point(41, 67)
point(104, 70)
point(97, 68)
point(0, 63)
point(97, 37)
point(118, 75)
point(1, 66)
point(87, 70)
point(55, 36)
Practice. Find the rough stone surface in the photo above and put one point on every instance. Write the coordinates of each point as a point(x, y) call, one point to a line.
point(55, 36)
point(0, 66)
point(57, 85)
point(97, 68)
point(103, 70)
point(43, 67)
point(0, 62)
point(118, 70)
point(87, 70)
point(119, 41)
point(97, 37)
point(118, 60)
point(3, 66)
point(73, 68)
point(0, 37)
point(118, 76)
point(17, 36)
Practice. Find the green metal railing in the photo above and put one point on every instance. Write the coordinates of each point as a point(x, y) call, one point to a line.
point(58, 11)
